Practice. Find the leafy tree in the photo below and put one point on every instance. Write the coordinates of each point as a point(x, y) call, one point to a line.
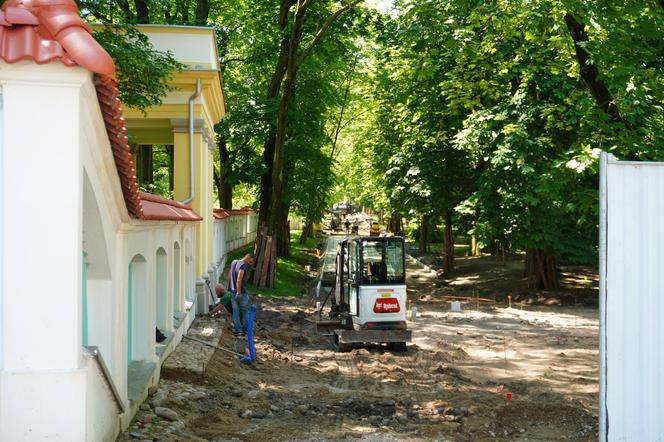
point(142, 71)
point(494, 112)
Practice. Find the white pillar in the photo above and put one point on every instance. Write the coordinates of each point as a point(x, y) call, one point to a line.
point(41, 183)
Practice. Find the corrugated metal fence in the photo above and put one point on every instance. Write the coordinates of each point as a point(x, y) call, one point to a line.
point(631, 404)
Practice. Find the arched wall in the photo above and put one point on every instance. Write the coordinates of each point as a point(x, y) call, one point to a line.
point(138, 305)
point(97, 284)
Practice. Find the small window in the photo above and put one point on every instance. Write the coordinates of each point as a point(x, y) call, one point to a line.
point(382, 262)
point(352, 254)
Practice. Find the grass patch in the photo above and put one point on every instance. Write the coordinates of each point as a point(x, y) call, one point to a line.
point(290, 280)
point(459, 249)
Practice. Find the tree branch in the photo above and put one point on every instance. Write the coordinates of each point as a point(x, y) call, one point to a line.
point(128, 15)
point(590, 73)
point(283, 12)
point(321, 32)
point(91, 8)
point(142, 11)
point(240, 60)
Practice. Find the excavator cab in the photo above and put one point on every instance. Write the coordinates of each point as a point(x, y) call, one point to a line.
point(370, 293)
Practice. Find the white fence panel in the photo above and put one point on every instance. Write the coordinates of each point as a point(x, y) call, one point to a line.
point(631, 300)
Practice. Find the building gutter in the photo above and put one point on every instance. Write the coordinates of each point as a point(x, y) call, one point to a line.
point(196, 94)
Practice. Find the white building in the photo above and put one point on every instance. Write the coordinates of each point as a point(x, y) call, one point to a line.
point(89, 266)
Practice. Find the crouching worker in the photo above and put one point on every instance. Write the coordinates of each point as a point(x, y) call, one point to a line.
point(224, 301)
point(237, 285)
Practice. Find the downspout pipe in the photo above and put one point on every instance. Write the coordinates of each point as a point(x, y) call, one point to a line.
point(196, 94)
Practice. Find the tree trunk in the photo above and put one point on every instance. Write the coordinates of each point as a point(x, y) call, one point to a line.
point(142, 11)
point(283, 231)
point(266, 181)
point(202, 12)
point(424, 235)
point(344, 103)
point(448, 262)
point(268, 147)
point(307, 231)
point(393, 224)
point(283, 79)
point(283, 225)
point(224, 186)
point(540, 269)
point(266, 193)
point(145, 164)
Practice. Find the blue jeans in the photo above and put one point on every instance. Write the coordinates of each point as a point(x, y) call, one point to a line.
point(240, 306)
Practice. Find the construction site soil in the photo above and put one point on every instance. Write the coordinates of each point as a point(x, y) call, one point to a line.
point(488, 372)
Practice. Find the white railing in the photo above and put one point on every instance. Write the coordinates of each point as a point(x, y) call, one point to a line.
point(233, 232)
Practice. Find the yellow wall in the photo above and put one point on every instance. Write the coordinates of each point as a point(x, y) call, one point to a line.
point(170, 119)
point(203, 201)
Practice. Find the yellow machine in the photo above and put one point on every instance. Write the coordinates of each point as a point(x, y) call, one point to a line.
point(375, 229)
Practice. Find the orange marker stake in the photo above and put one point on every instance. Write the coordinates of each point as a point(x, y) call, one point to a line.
point(509, 301)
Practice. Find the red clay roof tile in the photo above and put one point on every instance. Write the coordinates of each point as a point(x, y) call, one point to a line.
point(220, 213)
point(15, 15)
point(48, 30)
point(160, 208)
point(242, 211)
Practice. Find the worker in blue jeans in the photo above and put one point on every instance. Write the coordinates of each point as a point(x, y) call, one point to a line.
point(237, 285)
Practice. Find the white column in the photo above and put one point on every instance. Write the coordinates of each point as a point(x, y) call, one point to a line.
point(40, 280)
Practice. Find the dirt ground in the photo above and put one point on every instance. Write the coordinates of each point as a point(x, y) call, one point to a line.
point(489, 372)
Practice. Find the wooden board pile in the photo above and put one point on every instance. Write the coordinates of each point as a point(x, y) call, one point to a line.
point(265, 251)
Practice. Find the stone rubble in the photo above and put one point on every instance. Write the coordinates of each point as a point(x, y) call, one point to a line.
point(155, 420)
point(190, 356)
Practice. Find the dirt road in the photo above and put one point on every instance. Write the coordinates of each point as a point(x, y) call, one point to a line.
point(493, 373)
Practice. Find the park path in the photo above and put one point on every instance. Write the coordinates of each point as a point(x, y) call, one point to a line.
point(451, 384)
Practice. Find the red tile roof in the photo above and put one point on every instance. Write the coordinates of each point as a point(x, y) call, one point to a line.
point(225, 213)
point(51, 30)
point(111, 111)
point(48, 30)
point(220, 214)
point(160, 208)
point(242, 211)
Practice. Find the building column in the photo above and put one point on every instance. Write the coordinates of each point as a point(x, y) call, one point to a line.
point(203, 193)
point(41, 366)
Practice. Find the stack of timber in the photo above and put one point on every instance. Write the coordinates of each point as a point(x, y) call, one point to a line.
point(265, 251)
